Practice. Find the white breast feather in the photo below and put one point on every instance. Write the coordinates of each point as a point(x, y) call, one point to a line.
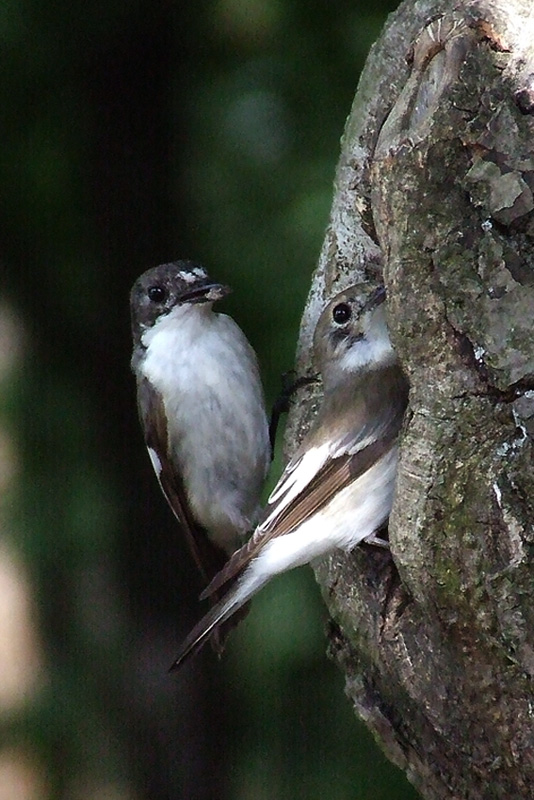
point(203, 365)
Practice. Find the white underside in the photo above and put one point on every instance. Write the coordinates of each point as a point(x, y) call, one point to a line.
point(351, 516)
point(204, 367)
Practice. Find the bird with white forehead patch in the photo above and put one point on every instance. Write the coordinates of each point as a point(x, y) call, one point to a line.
point(201, 408)
point(337, 490)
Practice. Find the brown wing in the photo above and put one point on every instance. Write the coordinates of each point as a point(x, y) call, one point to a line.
point(332, 477)
point(208, 557)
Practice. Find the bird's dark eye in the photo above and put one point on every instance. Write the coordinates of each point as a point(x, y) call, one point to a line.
point(341, 313)
point(157, 294)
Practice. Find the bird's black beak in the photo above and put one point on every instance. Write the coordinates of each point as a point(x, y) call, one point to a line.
point(207, 293)
point(376, 299)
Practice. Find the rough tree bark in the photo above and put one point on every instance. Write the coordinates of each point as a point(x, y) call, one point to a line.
point(434, 190)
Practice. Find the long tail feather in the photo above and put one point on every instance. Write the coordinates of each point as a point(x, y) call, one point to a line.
point(209, 625)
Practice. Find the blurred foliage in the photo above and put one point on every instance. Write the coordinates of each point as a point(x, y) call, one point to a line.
point(134, 133)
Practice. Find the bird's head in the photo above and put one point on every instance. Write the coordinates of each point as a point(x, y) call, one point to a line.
point(160, 290)
point(351, 336)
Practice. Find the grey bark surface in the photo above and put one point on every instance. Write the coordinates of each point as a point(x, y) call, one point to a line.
point(434, 191)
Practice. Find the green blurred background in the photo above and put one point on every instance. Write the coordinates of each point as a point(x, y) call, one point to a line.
point(136, 133)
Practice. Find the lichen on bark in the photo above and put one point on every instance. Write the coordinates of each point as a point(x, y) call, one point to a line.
point(434, 191)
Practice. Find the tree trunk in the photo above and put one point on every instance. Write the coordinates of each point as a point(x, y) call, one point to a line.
point(434, 191)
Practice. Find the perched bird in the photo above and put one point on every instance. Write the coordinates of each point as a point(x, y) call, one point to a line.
point(201, 408)
point(337, 490)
